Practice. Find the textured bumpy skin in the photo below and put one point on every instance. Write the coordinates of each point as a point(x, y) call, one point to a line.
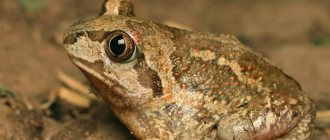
point(188, 85)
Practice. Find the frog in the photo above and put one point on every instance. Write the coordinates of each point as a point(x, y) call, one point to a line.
point(164, 82)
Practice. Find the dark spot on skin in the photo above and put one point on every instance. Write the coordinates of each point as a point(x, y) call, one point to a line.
point(149, 78)
point(170, 107)
point(243, 105)
point(194, 85)
point(215, 127)
point(72, 38)
point(272, 109)
point(295, 114)
point(278, 114)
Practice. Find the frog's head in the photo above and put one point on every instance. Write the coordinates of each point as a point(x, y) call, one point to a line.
point(120, 54)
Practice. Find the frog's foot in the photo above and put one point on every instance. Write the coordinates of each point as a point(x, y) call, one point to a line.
point(272, 121)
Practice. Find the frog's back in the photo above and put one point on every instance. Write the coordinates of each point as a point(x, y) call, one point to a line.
point(242, 87)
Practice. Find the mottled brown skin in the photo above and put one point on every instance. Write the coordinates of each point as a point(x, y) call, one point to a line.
point(188, 85)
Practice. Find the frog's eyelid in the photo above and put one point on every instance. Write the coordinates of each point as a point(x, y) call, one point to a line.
point(135, 35)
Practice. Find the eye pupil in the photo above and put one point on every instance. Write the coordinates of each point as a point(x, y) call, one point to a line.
point(118, 45)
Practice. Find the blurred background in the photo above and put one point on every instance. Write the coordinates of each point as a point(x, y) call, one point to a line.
point(294, 35)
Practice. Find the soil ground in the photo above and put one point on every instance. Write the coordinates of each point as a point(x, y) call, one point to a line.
point(295, 35)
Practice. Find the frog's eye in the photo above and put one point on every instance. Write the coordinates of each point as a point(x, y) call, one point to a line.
point(120, 47)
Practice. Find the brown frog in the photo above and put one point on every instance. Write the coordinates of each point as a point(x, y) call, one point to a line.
point(169, 83)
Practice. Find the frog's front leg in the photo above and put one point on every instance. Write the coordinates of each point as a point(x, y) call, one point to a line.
point(265, 119)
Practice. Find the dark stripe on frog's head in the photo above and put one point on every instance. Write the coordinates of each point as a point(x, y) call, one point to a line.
point(98, 36)
point(149, 78)
point(72, 38)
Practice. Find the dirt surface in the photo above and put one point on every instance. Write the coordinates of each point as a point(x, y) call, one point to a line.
point(295, 35)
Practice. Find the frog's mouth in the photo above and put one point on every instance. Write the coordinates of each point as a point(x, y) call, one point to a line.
point(89, 71)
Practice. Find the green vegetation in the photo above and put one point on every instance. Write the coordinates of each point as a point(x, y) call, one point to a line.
point(33, 5)
point(321, 42)
point(5, 92)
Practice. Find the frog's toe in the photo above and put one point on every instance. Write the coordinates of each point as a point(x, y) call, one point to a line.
point(263, 118)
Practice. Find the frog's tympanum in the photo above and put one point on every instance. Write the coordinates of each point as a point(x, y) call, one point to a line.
point(168, 83)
